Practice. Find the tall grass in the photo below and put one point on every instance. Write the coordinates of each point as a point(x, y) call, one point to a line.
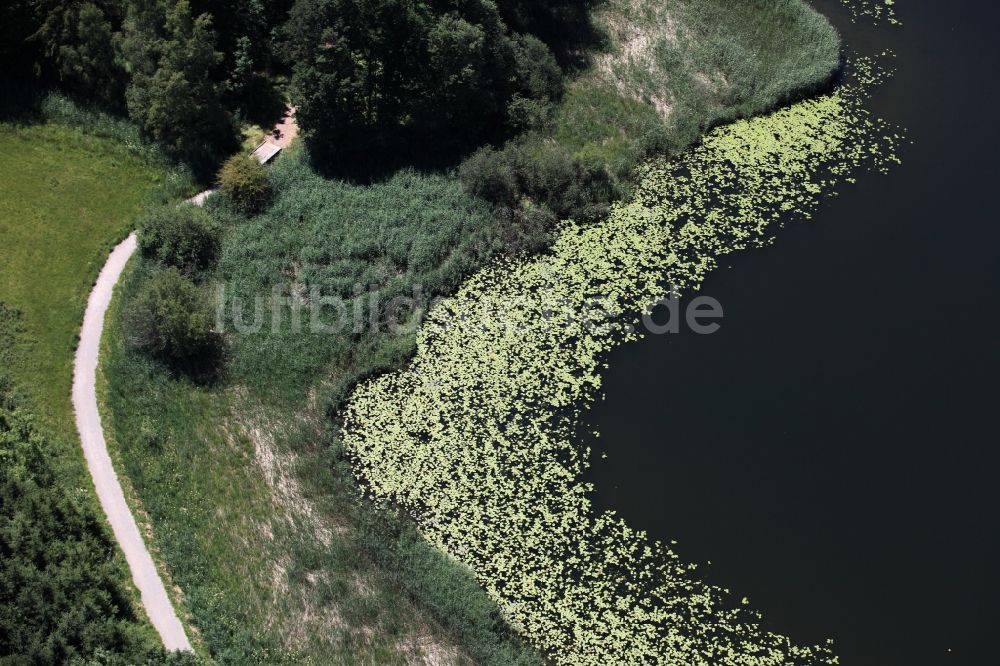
point(414, 234)
point(693, 64)
point(194, 452)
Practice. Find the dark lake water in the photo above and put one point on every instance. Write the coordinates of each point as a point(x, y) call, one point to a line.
point(834, 449)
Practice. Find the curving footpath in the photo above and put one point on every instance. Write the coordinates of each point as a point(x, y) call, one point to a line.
point(88, 422)
point(109, 491)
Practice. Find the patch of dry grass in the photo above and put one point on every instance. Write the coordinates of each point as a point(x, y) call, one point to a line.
point(675, 68)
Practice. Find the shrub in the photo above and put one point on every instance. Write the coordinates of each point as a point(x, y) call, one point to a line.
point(535, 69)
point(538, 83)
point(487, 175)
point(540, 172)
point(172, 320)
point(183, 237)
point(551, 175)
point(525, 230)
point(243, 181)
point(524, 113)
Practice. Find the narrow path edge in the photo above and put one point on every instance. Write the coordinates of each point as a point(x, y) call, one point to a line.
point(109, 491)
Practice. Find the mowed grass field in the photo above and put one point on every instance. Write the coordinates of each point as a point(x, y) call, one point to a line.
point(67, 198)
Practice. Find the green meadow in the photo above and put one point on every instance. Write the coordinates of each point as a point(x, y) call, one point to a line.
point(68, 197)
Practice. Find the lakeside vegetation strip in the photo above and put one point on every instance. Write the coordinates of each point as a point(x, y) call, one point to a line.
point(475, 439)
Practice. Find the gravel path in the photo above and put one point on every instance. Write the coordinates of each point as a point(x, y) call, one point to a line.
point(109, 491)
point(88, 422)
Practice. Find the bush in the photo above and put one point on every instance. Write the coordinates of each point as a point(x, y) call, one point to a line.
point(172, 320)
point(535, 69)
point(243, 181)
point(551, 175)
point(524, 113)
point(542, 173)
point(526, 230)
point(538, 83)
point(183, 237)
point(486, 174)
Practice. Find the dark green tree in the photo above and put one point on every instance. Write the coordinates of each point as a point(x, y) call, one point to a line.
point(19, 23)
point(234, 20)
point(184, 237)
point(76, 41)
point(241, 78)
point(17, 53)
point(538, 83)
point(563, 24)
point(62, 584)
point(171, 319)
point(173, 93)
point(384, 77)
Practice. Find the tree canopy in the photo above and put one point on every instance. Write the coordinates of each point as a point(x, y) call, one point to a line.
point(172, 92)
point(375, 81)
point(184, 237)
point(411, 77)
point(172, 320)
point(61, 580)
point(76, 41)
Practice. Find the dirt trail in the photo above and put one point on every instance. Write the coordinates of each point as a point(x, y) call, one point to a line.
point(285, 131)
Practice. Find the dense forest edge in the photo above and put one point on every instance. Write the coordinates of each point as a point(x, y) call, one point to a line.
point(74, 182)
point(418, 165)
point(65, 601)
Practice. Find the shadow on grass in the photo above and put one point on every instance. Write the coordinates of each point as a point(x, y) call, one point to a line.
point(204, 369)
point(20, 101)
point(263, 102)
